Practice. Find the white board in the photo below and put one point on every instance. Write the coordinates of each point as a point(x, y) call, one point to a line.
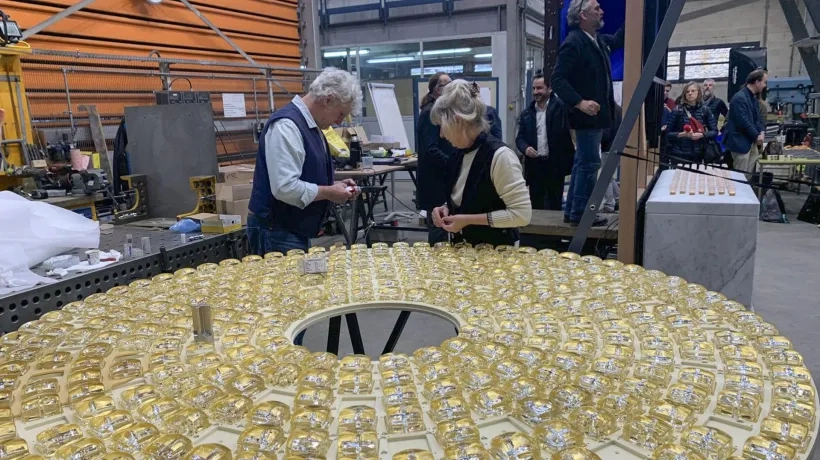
point(387, 112)
point(485, 95)
point(234, 105)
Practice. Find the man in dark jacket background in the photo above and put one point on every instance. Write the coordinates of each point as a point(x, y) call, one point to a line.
point(582, 79)
point(745, 129)
point(433, 151)
point(544, 140)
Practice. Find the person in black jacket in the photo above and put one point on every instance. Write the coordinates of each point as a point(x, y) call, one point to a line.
point(714, 103)
point(487, 197)
point(544, 140)
point(582, 79)
point(745, 130)
point(687, 145)
point(433, 152)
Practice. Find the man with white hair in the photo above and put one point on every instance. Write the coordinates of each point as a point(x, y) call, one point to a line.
point(714, 103)
point(582, 79)
point(293, 182)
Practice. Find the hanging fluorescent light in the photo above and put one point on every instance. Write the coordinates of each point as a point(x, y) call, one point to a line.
point(483, 56)
point(483, 68)
point(448, 51)
point(333, 54)
point(391, 59)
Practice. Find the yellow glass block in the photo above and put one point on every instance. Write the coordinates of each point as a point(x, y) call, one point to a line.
point(738, 404)
point(652, 371)
point(575, 453)
point(688, 395)
point(358, 445)
point(307, 444)
point(261, 438)
point(798, 374)
point(40, 406)
point(230, 408)
point(47, 442)
point(105, 424)
point(595, 423)
point(697, 351)
point(572, 363)
point(155, 410)
point(84, 449)
point(398, 395)
point(441, 388)
point(357, 419)
point(467, 452)
point(570, 397)
point(404, 419)
point(270, 413)
point(220, 374)
point(738, 352)
point(758, 447)
point(169, 447)
point(400, 361)
point(451, 408)
point(783, 357)
point(490, 402)
point(355, 363)
point(135, 396)
point(743, 383)
point(245, 384)
point(13, 448)
point(550, 376)
point(311, 418)
point(791, 410)
point(48, 385)
point(135, 437)
point(414, 454)
point(677, 416)
point(202, 397)
point(209, 452)
point(434, 371)
point(595, 383)
point(55, 360)
point(514, 446)
point(187, 421)
point(712, 443)
point(675, 452)
point(793, 434)
point(306, 396)
point(797, 391)
point(647, 432)
point(91, 407)
point(556, 435)
point(724, 338)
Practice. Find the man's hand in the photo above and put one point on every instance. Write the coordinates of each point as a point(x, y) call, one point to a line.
point(351, 183)
point(590, 108)
point(531, 152)
point(760, 139)
point(339, 193)
point(696, 136)
point(439, 214)
point(454, 224)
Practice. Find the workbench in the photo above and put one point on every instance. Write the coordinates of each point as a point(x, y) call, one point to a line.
point(799, 157)
point(23, 306)
point(74, 202)
point(363, 207)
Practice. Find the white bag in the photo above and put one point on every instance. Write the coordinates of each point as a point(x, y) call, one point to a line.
point(42, 230)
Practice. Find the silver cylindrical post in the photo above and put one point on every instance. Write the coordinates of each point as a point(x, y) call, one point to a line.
point(203, 322)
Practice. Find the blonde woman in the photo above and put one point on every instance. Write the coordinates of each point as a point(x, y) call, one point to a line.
point(487, 195)
point(690, 126)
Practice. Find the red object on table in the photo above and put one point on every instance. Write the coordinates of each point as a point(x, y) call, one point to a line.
point(687, 128)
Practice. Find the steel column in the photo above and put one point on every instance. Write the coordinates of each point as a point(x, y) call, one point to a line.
point(799, 32)
point(30, 32)
point(552, 35)
point(630, 117)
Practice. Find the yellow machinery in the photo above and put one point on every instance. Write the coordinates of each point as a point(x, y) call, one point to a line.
point(16, 129)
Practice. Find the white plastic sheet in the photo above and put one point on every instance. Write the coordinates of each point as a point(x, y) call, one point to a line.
point(41, 230)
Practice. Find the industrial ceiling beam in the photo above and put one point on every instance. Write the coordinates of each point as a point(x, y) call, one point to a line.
point(30, 32)
point(799, 32)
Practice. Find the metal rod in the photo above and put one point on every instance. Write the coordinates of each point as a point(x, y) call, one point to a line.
point(170, 74)
point(219, 32)
point(395, 334)
point(68, 100)
point(255, 101)
point(270, 92)
point(52, 20)
point(355, 334)
point(333, 333)
point(633, 110)
point(108, 57)
point(21, 112)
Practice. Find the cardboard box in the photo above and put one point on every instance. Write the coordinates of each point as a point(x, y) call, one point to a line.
point(222, 223)
point(228, 192)
point(236, 174)
point(236, 208)
point(349, 132)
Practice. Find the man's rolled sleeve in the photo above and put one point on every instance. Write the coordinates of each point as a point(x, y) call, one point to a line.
point(285, 156)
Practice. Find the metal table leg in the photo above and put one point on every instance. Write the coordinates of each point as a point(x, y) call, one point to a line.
point(397, 330)
point(355, 333)
point(333, 335)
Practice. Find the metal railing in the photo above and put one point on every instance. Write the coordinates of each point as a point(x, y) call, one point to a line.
point(58, 83)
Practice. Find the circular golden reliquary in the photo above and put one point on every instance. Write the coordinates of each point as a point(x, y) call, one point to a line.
point(557, 357)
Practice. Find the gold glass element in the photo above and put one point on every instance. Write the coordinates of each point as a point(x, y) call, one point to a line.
point(556, 435)
point(467, 452)
point(84, 449)
point(793, 434)
point(307, 444)
point(647, 432)
point(209, 452)
point(358, 445)
point(261, 438)
point(407, 418)
point(758, 447)
point(357, 419)
point(414, 454)
point(169, 447)
point(675, 452)
point(269, 413)
point(311, 418)
point(48, 441)
point(134, 438)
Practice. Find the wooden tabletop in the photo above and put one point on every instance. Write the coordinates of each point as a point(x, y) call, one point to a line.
point(551, 223)
point(792, 161)
point(69, 201)
point(377, 170)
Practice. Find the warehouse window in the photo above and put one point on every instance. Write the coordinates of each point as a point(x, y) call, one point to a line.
point(698, 63)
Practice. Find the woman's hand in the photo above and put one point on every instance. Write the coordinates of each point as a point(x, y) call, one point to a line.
point(454, 224)
point(439, 214)
point(696, 136)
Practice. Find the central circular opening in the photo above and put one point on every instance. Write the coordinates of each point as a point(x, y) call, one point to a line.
point(383, 327)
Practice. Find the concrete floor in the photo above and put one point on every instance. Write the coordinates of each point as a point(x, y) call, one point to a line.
point(786, 290)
